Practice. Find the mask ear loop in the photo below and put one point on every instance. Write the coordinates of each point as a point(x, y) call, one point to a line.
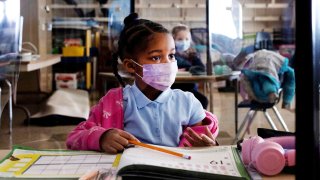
point(138, 65)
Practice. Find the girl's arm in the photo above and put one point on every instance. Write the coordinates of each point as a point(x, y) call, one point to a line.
point(107, 114)
point(86, 135)
point(207, 127)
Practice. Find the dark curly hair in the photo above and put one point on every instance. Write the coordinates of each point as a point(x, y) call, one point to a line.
point(133, 39)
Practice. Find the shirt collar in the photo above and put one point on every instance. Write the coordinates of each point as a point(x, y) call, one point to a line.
point(143, 101)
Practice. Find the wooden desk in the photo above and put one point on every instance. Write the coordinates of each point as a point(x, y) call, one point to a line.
point(10, 76)
point(207, 80)
point(42, 62)
point(281, 176)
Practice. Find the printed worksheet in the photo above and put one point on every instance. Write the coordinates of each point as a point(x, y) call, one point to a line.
point(63, 164)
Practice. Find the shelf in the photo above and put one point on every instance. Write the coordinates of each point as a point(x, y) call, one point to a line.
point(173, 5)
point(98, 19)
point(266, 5)
point(82, 6)
point(176, 19)
point(87, 35)
point(266, 18)
point(71, 27)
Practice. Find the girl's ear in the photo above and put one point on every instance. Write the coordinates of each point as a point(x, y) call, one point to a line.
point(129, 66)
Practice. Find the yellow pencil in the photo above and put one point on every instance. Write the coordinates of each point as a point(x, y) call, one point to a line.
point(160, 149)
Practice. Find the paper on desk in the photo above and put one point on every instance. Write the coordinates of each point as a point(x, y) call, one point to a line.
point(53, 163)
point(66, 102)
point(215, 160)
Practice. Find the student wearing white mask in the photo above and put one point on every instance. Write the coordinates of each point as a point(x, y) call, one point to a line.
point(187, 57)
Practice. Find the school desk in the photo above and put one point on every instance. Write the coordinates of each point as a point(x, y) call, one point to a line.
point(185, 77)
point(281, 176)
point(43, 62)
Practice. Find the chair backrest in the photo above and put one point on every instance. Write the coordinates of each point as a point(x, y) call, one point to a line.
point(248, 94)
point(263, 41)
point(199, 35)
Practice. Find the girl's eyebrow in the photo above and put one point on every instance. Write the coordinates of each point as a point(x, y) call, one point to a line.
point(153, 51)
point(158, 51)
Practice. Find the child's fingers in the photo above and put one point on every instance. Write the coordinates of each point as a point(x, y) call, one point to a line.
point(209, 134)
point(110, 149)
point(128, 136)
point(189, 139)
point(194, 135)
point(117, 146)
point(121, 140)
point(208, 140)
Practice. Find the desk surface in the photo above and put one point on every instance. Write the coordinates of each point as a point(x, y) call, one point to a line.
point(282, 176)
point(3, 153)
point(42, 62)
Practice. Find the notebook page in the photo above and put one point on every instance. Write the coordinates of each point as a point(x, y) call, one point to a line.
point(215, 160)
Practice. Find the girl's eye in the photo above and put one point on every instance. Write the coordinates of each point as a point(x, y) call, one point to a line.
point(172, 56)
point(156, 58)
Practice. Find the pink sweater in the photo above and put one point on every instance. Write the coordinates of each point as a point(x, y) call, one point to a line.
point(108, 113)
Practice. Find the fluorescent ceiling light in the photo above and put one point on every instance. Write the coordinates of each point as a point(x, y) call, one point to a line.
point(255, 5)
point(263, 5)
point(278, 5)
point(266, 18)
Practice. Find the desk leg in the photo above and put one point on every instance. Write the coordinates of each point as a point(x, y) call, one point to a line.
point(210, 84)
point(14, 99)
point(236, 86)
point(205, 89)
point(15, 105)
point(10, 104)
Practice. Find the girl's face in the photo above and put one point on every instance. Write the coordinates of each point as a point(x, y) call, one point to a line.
point(182, 41)
point(183, 36)
point(161, 49)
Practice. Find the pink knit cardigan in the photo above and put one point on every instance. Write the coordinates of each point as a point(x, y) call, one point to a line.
point(108, 113)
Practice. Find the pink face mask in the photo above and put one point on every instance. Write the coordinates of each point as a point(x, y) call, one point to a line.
point(159, 76)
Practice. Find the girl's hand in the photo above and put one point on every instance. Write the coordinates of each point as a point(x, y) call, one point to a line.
point(197, 140)
point(115, 140)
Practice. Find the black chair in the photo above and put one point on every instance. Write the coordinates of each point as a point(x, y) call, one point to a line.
point(254, 107)
point(263, 41)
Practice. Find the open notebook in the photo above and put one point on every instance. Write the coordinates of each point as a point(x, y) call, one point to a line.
point(205, 163)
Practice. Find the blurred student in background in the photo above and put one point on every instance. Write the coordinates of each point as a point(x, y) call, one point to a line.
point(189, 60)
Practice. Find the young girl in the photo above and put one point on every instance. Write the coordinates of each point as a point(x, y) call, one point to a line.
point(147, 111)
point(187, 57)
point(184, 52)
